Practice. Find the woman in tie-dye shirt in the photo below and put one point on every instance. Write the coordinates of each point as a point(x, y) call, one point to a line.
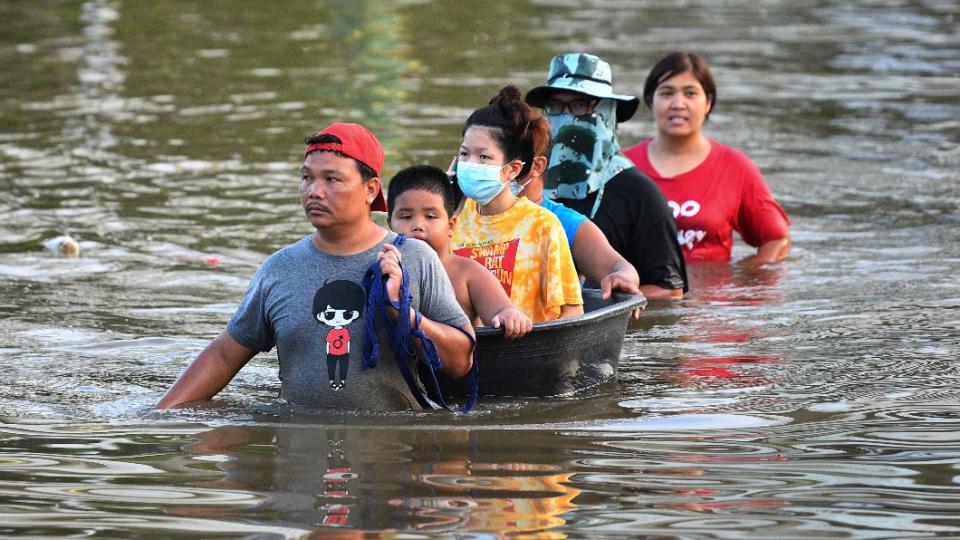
point(522, 244)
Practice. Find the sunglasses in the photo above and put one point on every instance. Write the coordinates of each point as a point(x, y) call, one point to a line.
point(577, 107)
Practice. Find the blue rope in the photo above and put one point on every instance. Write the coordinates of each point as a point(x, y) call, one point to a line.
point(401, 337)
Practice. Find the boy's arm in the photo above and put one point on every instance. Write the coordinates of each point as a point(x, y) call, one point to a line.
point(209, 372)
point(491, 302)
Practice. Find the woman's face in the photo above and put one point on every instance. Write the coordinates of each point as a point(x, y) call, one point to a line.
point(680, 106)
point(479, 147)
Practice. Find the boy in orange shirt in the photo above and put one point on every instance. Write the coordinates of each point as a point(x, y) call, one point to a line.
point(420, 204)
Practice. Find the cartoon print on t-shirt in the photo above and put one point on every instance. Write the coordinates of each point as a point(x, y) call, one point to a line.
point(337, 304)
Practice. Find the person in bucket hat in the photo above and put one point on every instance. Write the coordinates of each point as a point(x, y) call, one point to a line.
point(588, 172)
point(584, 74)
point(309, 301)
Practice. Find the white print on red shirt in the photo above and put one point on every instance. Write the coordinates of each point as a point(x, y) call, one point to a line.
point(687, 209)
point(687, 238)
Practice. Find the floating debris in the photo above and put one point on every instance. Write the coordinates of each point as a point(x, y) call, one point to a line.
point(63, 245)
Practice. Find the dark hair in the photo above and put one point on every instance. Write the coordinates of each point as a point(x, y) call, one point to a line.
point(424, 178)
point(366, 173)
point(339, 294)
point(680, 62)
point(513, 125)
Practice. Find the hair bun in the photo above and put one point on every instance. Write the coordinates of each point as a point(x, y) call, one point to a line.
point(508, 95)
point(510, 101)
point(512, 123)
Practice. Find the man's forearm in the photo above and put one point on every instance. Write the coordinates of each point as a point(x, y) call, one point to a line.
point(596, 259)
point(209, 372)
point(454, 347)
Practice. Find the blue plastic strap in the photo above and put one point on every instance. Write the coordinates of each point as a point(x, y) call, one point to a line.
point(474, 368)
point(401, 335)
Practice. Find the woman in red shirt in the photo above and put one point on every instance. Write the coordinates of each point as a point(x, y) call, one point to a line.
point(711, 188)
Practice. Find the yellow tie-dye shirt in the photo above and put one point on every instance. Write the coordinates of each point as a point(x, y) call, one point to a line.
point(526, 250)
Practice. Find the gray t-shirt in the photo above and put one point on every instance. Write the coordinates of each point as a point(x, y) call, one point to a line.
point(310, 306)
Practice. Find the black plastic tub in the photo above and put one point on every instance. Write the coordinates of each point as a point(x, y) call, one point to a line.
point(557, 358)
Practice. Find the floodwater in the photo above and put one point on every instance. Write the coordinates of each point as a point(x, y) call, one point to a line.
point(815, 398)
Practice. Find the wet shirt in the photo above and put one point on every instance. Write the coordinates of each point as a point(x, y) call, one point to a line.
point(526, 250)
point(723, 194)
point(310, 306)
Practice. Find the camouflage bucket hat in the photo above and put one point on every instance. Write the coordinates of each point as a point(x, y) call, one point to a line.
point(587, 74)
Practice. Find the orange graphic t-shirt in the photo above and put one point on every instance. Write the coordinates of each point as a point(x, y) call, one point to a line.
point(526, 250)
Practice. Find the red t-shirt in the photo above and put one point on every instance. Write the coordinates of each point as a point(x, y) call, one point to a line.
point(338, 341)
point(724, 193)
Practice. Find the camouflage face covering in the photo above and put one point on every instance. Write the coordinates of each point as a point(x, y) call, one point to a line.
point(585, 154)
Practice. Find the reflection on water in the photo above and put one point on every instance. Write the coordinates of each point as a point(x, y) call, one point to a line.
point(372, 479)
point(818, 397)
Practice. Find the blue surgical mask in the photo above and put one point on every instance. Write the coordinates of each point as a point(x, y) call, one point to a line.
point(517, 188)
point(478, 181)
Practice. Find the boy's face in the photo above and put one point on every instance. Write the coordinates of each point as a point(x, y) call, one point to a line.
point(420, 214)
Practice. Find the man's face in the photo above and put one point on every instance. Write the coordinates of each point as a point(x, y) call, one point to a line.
point(332, 191)
point(420, 214)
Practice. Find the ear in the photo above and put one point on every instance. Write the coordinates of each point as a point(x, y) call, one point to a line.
point(514, 169)
point(453, 225)
point(539, 166)
point(373, 186)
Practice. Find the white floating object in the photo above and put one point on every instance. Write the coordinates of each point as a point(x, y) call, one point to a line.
point(63, 245)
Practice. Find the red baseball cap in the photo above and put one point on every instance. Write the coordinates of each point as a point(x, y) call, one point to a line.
point(356, 142)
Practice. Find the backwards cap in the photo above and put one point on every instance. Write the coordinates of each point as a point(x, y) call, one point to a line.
point(356, 142)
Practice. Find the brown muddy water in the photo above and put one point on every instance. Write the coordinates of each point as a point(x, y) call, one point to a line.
point(813, 399)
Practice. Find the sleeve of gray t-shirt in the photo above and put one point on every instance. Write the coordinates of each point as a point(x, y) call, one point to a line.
point(250, 325)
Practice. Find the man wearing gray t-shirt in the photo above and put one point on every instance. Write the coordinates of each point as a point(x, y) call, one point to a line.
point(308, 299)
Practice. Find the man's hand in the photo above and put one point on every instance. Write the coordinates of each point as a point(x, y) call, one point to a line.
point(390, 268)
point(621, 281)
point(624, 280)
point(515, 324)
